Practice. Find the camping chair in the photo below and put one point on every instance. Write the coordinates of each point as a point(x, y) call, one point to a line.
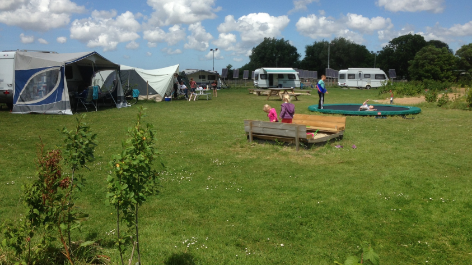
point(87, 97)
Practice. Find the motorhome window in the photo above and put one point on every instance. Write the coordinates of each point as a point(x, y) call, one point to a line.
point(366, 75)
point(202, 77)
point(291, 76)
point(342, 76)
point(380, 76)
point(351, 76)
point(40, 85)
point(263, 76)
point(280, 76)
point(211, 77)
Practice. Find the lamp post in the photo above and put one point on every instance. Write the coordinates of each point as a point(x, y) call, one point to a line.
point(214, 50)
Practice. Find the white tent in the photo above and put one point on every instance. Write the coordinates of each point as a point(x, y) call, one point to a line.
point(156, 83)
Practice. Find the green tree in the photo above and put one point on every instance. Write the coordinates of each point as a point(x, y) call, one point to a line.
point(464, 55)
point(399, 52)
point(343, 54)
point(433, 64)
point(439, 44)
point(272, 52)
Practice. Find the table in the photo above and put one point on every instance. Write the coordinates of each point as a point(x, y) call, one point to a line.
point(200, 93)
point(275, 91)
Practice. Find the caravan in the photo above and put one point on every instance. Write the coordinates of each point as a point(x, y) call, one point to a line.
point(276, 77)
point(362, 77)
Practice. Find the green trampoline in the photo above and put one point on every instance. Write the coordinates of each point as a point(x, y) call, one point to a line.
point(353, 109)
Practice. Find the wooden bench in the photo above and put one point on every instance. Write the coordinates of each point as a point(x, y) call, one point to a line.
point(332, 124)
point(285, 132)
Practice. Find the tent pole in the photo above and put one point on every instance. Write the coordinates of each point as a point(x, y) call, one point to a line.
point(147, 90)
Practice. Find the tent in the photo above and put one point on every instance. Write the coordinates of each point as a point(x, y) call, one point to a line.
point(156, 83)
point(44, 82)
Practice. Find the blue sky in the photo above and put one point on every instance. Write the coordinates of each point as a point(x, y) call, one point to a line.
point(153, 34)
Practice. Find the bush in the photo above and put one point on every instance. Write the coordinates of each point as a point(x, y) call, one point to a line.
point(443, 100)
point(431, 96)
point(469, 98)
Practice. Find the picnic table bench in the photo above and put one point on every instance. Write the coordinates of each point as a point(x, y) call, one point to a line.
point(293, 132)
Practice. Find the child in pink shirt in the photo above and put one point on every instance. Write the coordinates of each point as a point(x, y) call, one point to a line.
point(272, 113)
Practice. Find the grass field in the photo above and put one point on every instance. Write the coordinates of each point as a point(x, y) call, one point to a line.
point(406, 188)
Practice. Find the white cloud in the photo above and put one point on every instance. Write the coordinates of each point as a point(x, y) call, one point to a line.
point(351, 26)
point(300, 5)
point(41, 15)
point(448, 34)
point(7, 5)
point(132, 45)
point(435, 6)
point(170, 51)
point(225, 41)
point(42, 41)
point(252, 28)
point(148, 54)
point(152, 44)
point(154, 36)
point(26, 39)
point(387, 35)
point(199, 38)
point(126, 56)
point(238, 59)
point(181, 11)
point(209, 55)
point(61, 39)
point(102, 30)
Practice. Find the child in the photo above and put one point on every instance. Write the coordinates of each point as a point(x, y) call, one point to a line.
point(366, 107)
point(288, 110)
point(272, 113)
point(391, 97)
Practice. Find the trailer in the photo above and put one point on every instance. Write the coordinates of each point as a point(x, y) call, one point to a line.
point(362, 77)
point(7, 77)
point(276, 77)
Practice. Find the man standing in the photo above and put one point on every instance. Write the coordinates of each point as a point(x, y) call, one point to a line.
point(176, 85)
point(321, 91)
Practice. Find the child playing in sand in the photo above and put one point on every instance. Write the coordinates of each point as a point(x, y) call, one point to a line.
point(366, 107)
point(272, 113)
point(288, 110)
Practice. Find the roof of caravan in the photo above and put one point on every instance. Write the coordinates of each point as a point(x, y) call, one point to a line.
point(279, 70)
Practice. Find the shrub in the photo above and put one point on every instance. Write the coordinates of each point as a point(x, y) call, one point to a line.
point(469, 98)
point(431, 96)
point(443, 100)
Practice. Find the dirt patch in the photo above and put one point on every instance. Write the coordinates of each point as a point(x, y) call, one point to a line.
point(457, 92)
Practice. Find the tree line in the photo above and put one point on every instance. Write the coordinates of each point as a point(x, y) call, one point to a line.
point(412, 57)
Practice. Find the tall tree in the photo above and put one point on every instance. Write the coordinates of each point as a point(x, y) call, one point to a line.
point(439, 44)
point(464, 55)
point(272, 52)
point(432, 63)
point(343, 54)
point(398, 52)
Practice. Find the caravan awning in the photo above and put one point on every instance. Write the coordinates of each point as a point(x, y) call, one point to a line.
point(279, 70)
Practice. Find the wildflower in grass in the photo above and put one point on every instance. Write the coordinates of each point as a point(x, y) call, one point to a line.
point(339, 146)
point(354, 146)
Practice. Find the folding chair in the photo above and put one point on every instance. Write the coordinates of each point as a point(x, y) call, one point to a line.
point(87, 98)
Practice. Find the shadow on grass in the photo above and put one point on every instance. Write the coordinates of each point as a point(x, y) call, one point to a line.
point(180, 259)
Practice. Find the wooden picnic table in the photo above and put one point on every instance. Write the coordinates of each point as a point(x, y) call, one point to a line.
point(276, 91)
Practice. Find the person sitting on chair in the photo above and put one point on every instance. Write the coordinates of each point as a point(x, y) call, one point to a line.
point(366, 107)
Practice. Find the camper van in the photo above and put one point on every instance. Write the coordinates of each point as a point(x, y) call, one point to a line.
point(362, 77)
point(7, 70)
point(276, 77)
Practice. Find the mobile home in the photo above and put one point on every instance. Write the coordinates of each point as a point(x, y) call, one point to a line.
point(362, 77)
point(7, 71)
point(276, 77)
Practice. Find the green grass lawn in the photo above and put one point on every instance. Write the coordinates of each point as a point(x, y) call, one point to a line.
point(406, 188)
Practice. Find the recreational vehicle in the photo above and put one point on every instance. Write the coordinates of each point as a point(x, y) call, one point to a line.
point(362, 77)
point(7, 70)
point(276, 77)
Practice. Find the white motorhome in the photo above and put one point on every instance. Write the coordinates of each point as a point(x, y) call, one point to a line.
point(7, 72)
point(276, 77)
point(362, 77)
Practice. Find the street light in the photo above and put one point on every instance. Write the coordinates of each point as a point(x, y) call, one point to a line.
point(214, 50)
